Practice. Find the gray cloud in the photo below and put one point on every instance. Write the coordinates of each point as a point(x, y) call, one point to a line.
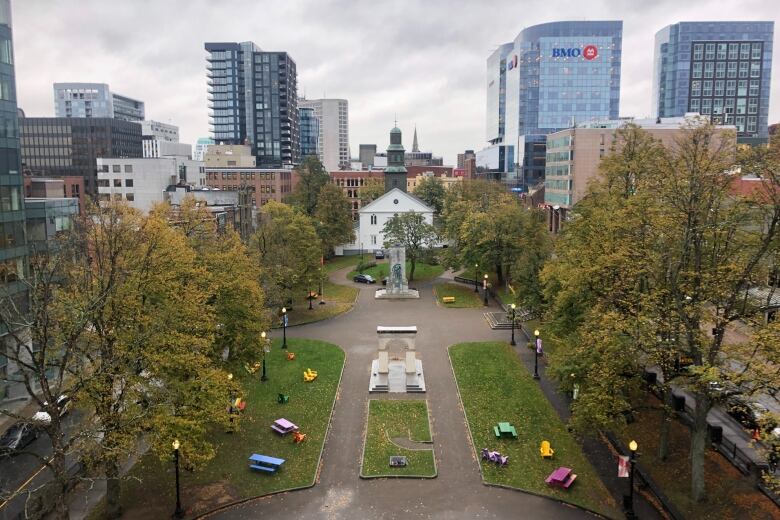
point(422, 60)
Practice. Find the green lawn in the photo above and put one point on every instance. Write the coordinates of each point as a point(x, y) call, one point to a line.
point(464, 295)
point(149, 493)
point(422, 272)
point(494, 386)
point(388, 420)
point(338, 299)
point(340, 262)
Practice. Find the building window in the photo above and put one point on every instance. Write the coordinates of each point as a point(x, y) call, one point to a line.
point(740, 106)
point(117, 183)
point(103, 183)
point(751, 125)
point(128, 183)
point(373, 220)
point(698, 51)
point(753, 91)
point(373, 239)
point(128, 168)
point(696, 73)
point(719, 87)
point(743, 69)
point(752, 106)
point(696, 88)
point(732, 73)
point(695, 106)
point(709, 69)
point(731, 88)
point(720, 69)
point(742, 87)
point(744, 51)
point(130, 196)
point(709, 51)
point(707, 88)
point(756, 53)
point(722, 49)
point(116, 168)
point(733, 51)
point(706, 106)
point(755, 70)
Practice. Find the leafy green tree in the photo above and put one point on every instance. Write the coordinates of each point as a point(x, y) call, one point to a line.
point(371, 190)
point(535, 249)
point(288, 251)
point(311, 178)
point(411, 231)
point(334, 218)
point(431, 191)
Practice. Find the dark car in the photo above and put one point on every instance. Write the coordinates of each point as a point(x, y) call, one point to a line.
point(17, 437)
point(751, 415)
point(364, 278)
point(379, 254)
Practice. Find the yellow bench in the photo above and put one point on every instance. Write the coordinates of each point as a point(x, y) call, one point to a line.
point(448, 299)
point(546, 450)
point(309, 375)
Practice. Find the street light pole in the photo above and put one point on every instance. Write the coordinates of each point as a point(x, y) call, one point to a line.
point(284, 327)
point(484, 288)
point(476, 284)
point(513, 325)
point(265, 351)
point(632, 446)
point(537, 342)
point(179, 513)
point(322, 300)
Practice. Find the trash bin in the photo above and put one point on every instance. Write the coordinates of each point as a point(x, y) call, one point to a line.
point(678, 402)
point(651, 377)
point(715, 433)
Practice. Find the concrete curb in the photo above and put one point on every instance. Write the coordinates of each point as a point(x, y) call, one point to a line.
point(479, 466)
point(242, 501)
point(432, 450)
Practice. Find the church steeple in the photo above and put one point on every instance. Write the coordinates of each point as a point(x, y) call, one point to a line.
point(395, 173)
point(415, 148)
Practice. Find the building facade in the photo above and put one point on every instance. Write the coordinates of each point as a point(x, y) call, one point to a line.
point(47, 218)
point(61, 187)
point(550, 77)
point(63, 146)
point(310, 131)
point(333, 116)
point(160, 131)
point(719, 69)
point(366, 153)
point(468, 154)
point(201, 147)
point(395, 172)
point(143, 182)
point(574, 154)
point(351, 183)
point(95, 100)
point(264, 184)
point(253, 100)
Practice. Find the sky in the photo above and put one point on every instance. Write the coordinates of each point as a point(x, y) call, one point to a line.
point(420, 61)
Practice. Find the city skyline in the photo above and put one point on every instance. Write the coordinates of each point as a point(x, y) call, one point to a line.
point(428, 67)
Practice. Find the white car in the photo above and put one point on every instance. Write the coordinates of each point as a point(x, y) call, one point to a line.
point(43, 417)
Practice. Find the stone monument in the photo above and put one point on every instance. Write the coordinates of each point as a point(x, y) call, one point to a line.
point(400, 373)
point(397, 284)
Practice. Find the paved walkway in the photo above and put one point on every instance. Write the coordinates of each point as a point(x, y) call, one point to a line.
point(458, 491)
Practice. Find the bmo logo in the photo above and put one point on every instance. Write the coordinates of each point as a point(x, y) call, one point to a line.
point(589, 52)
point(512, 63)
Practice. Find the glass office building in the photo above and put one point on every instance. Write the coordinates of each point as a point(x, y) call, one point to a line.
point(310, 131)
point(720, 69)
point(253, 99)
point(552, 76)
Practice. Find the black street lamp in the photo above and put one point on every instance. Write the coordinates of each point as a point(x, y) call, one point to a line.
point(476, 280)
point(266, 350)
point(284, 327)
point(484, 287)
point(310, 299)
point(513, 325)
point(537, 344)
point(179, 513)
point(632, 446)
point(322, 300)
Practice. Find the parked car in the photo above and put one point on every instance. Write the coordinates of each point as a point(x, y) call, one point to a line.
point(63, 403)
point(750, 414)
point(379, 254)
point(17, 437)
point(364, 278)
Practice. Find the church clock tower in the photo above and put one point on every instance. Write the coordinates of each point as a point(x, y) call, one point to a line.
point(395, 173)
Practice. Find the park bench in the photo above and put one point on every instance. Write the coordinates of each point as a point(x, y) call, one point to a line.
point(546, 450)
point(283, 426)
point(448, 299)
point(561, 477)
point(265, 463)
point(309, 375)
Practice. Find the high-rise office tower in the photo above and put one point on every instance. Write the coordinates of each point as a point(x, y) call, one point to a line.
point(720, 69)
point(253, 100)
point(551, 76)
point(13, 243)
point(95, 100)
point(333, 115)
point(310, 131)
point(201, 147)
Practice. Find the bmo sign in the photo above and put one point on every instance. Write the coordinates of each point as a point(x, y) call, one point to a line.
point(589, 52)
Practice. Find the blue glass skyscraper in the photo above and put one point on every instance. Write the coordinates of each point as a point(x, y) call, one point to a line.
point(552, 76)
point(310, 131)
point(719, 69)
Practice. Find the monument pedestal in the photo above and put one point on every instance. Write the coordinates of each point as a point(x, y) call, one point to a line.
point(402, 374)
point(397, 284)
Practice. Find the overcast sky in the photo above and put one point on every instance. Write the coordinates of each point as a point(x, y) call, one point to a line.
point(421, 60)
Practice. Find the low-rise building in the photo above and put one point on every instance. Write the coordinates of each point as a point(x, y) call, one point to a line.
point(229, 156)
point(264, 184)
point(46, 187)
point(143, 182)
point(46, 218)
point(352, 181)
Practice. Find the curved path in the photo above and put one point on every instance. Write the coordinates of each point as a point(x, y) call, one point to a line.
point(458, 491)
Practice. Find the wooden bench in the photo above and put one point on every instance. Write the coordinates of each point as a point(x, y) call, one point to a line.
point(448, 299)
point(546, 450)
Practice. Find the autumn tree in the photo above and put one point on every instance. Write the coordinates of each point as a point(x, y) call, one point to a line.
point(333, 219)
point(311, 179)
point(411, 231)
point(371, 190)
point(431, 191)
point(535, 248)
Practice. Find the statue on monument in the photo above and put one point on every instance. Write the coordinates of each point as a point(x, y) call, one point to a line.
point(397, 284)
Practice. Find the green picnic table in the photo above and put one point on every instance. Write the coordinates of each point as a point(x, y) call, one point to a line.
point(505, 429)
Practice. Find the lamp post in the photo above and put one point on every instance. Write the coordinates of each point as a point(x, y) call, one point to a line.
point(513, 325)
point(266, 350)
point(322, 300)
point(476, 284)
point(284, 327)
point(537, 347)
point(179, 513)
point(310, 298)
point(632, 446)
point(484, 287)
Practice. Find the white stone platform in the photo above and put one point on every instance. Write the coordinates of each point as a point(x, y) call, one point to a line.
point(397, 379)
point(383, 294)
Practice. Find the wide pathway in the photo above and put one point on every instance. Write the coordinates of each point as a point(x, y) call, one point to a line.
point(457, 492)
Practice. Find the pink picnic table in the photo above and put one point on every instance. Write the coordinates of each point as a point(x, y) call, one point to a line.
point(283, 426)
point(561, 477)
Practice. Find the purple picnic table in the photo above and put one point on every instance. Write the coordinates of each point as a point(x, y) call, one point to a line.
point(283, 426)
point(561, 477)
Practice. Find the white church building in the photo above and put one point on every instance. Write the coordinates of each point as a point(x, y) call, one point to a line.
point(372, 218)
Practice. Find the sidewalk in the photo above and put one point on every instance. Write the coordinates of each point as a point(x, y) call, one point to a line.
point(598, 453)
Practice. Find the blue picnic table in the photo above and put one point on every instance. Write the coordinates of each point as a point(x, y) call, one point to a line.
point(265, 463)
